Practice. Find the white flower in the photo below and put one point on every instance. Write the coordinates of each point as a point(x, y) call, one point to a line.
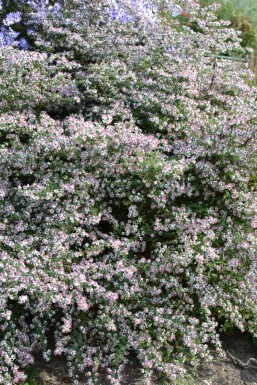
point(23, 299)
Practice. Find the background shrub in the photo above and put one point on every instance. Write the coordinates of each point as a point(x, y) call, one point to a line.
point(242, 19)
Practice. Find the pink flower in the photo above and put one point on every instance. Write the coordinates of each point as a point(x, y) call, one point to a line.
point(116, 244)
point(82, 304)
point(23, 298)
point(67, 325)
point(245, 245)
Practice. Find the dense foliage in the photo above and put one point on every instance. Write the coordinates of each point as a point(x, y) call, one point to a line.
point(127, 195)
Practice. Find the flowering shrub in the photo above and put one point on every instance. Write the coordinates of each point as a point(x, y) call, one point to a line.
point(127, 193)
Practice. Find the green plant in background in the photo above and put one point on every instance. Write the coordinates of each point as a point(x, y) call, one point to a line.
point(249, 7)
point(31, 380)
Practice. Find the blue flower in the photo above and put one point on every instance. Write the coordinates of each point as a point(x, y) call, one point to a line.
point(118, 13)
point(171, 49)
point(2, 39)
point(24, 44)
point(12, 18)
point(175, 10)
point(146, 9)
point(8, 36)
point(141, 8)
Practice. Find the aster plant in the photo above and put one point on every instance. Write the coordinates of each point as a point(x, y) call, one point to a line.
point(128, 191)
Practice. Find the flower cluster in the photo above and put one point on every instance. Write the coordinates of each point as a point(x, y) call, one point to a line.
point(127, 193)
point(146, 9)
point(19, 18)
point(30, 13)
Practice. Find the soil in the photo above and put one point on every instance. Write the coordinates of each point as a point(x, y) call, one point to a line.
point(232, 370)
